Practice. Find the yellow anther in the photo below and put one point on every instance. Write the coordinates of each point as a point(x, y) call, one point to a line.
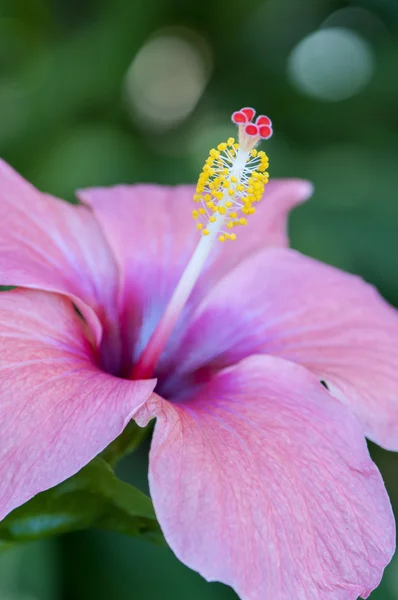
point(221, 191)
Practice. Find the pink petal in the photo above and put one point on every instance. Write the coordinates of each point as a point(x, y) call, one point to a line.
point(152, 234)
point(263, 481)
point(49, 244)
point(57, 409)
point(282, 303)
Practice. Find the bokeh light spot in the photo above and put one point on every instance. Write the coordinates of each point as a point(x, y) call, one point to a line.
point(166, 79)
point(331, 64)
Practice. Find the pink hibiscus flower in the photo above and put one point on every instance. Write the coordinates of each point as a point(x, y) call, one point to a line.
point(260, 476)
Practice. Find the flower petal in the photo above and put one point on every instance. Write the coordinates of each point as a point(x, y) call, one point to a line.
point(263, 481)
point(49, 244)
point(152, 234)
point(57, 409)
point(295, 307)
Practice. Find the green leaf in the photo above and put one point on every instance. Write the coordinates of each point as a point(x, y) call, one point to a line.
point(128, 441)
point(94, 497)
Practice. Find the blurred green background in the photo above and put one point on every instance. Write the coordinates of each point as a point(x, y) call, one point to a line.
point(98, 92)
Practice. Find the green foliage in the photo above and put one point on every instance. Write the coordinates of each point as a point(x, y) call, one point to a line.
point(129, 440)
point(94, 497)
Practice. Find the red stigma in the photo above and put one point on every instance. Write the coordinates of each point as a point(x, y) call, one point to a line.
point(244, 115)
point(251, 129)
point(261, 128)
point(263, 120)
